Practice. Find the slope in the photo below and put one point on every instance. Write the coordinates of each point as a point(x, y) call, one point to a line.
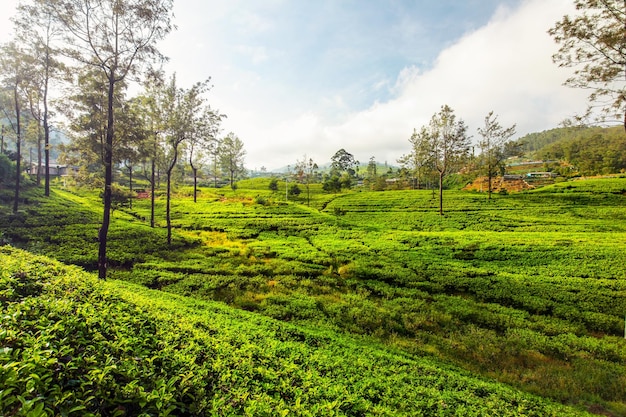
point(73, 345)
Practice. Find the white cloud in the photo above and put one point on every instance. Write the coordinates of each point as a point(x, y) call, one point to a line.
point(504, 66)
point(284, 100)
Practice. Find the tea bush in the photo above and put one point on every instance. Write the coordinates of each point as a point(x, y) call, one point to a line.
point(73, 345)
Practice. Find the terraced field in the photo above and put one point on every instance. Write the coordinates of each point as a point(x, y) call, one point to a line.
point(528, 288)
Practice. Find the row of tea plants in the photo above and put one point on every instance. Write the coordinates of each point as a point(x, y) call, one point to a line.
point(72, 345)
point(527, 288)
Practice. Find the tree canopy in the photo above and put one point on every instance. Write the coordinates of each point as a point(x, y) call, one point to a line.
point(593, 42)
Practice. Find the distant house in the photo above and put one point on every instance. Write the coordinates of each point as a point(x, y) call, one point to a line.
point(541, 175)
point(142, 193)
point(55, 169)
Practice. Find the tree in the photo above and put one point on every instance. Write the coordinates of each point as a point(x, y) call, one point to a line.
point(114, 36)
point(594, 43)
point(448, 143)
point(179, 109)
point(342, 171)
point(343, 161)
point(294, 190)
point(273, 185)
point(87, 112)
point(38, 29)
point(493, 147)
point(202, 138)
point(419, 158)
point(231, 155)
point(150, 104)
point(332, 184)
point(305, 171)
point(372, 169)
point(135, 144)
point(14, 74)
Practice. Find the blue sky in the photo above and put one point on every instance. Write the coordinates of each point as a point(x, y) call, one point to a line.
point(310, 77)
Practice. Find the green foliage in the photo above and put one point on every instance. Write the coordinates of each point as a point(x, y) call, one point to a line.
point(74, 345)
point(7, 169)
point(332, 184)
point(294, 190)
point(591, 151)
point(273, 186)
point(585, 151)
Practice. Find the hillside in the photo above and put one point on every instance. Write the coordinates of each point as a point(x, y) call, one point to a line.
point(526, 289)
point(73, 345)
point(580, 151)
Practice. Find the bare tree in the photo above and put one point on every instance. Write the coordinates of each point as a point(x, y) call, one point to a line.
point(115, 36)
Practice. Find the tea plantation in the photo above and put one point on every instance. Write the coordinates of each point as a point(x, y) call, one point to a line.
point(500, 307)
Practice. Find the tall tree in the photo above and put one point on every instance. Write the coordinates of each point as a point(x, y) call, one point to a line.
point(231, 157)
point(420, 156)
point(449, 144)
point(493, 147)
point(39, 30)
point(203, 141)
point(150, 103)
point(135, 138)
point(372, 168)
point(114, 36)
point(594, 43)
point(342, 171)
point(180, 106)
point(86, 109)
point(14, 74)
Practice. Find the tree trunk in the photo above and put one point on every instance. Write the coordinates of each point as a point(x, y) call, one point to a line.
point(441, 193)
point(168, 218)
point(39, 138)
point(195, 183)
point(108, 180)
point(152, 190)
point(18, 167)
point(489, 179)
point(46, 129)
point(130, 185)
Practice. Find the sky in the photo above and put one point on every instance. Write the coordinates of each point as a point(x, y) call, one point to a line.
point(302, 78)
